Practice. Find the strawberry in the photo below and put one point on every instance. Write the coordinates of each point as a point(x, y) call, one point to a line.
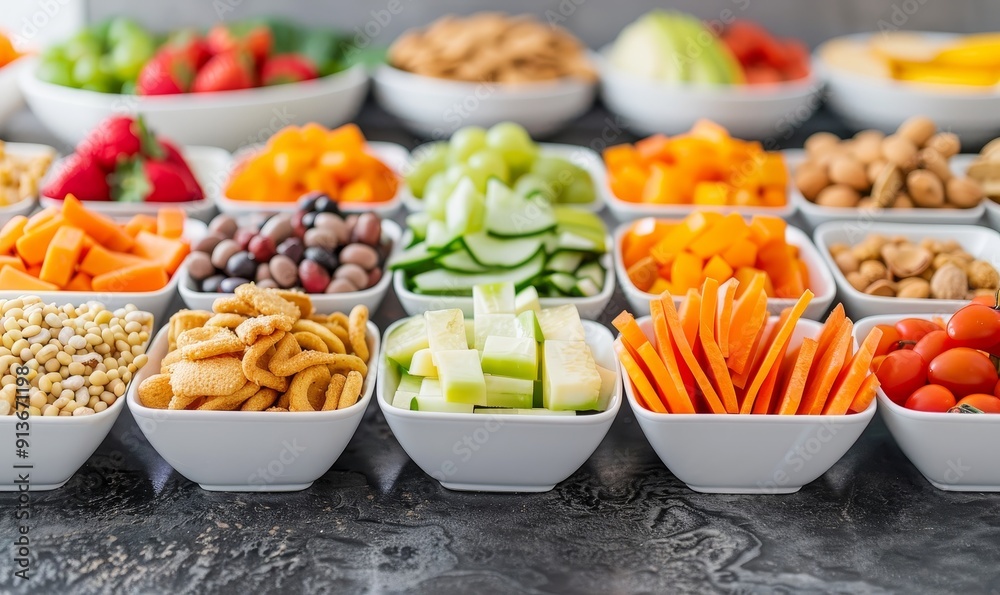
point(287, 68)
point(173, 156)
point(142, 180)
point(228, 71)
point(168, 72)
point(116, 138)
point(191, 44)
point(81, 176)
point(254, 38)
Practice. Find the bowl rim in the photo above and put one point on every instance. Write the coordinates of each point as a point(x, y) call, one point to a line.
point(392, 231)
point(389, 75)
point(80, 419)
point(139, 410)
point(766, 418)
point(602, 417)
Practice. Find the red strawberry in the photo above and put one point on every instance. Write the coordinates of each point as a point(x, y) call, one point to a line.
point(173, 155)
point(141, 180)
point(119, 137)
point(167, 73)
point(256, 39)
point(228, 71)
point(287, 68)
point(191, 44)
point(80, 176)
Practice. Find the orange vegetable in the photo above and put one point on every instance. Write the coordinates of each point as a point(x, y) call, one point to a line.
point(665, 348)
point(140, 222)
point(796, 383)
point(716, 361)
point(854, 375)
point(723, 322)
point(99, 260)
point(643, 389)
point(62, 253)
point(41, 217)
point(104, 230)
point(866, 394)
point(12, 278)
point(686, 272)
point(721, 236)
point(80, 282)
point(830, 328)
point(32, 246)
point(167, 252)
point(640, 238)
point(750, 313)
point(10, 232)
point(774, 350)
point(687, 354)
point(718, 269)
point(134, 278)
point(170, 223)
point(822, 377)
point(643, 273)
point(690, 315)
point(12, 261)
point(681, 235)
point(743, 253)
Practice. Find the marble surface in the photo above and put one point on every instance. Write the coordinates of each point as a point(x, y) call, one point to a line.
point(375, 523)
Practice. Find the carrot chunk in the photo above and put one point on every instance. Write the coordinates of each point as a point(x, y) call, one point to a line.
point(135, 278)
point(61, 256)
point(866, 394)
point(796, 383)
point(716, 363)
point(823, 375)
point(643, 389)
point(12, 278)
point(169, 253)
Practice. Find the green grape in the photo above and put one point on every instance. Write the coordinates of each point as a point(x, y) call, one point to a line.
point(129, 56)
point(531, 184)
point(465, 142)
point(122, 29)
point(57, 71)
point(514, 143)
point(486, 164)
point(579, 191)
point(427, 161)
point(439, 188)
point(89, 73)
point(83, 44)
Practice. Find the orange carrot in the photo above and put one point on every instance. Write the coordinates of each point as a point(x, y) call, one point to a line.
point(10, 231)
point(690, 315)
point(643, 389)
point(773, 351)
point(716, 363)
point(761, 341)
point(675, 399)
point(866, 394)
point(763, 403)
point(723, 322)
point(856, 372)
point(687, 354)
point(822, 376)
point(631, 333)
point(170, 222)
point(61, 256)
point(796, 384)
point(101, 228)
point(748, 320)
point(665, 349)
point(830, 328)
point(137, 277)
point(12, 278)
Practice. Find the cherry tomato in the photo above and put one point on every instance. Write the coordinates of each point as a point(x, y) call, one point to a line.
point(934, 344)
point(914, 329)
point(901, 373)
point(963, 371)
point(933, 397)
point(876, 362)
point(984, 403)
point(986, 300)
point(976, 326)
point(889, 341)
point(996, 390)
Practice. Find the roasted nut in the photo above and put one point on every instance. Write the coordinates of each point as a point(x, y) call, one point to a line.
point(945, 258)
point(917, 129)
point(903, 201)
point(857, 281)
point(838, 195)
point(846, 262)
point(899, 151)
point(867, 204)
point(870, 248)
point(874, 168)
point(982, 275)
point(913, 287)
point(873, 270)
point(882, 287)
point(949, 283)
point(887, 185)
point(925, 188)
point(951, 246)
point(850, 172)
point(820, 142)
point(946, 143)
point(935, 163)
point(810, 179)
point(867, 146)
point(838, 247)
point(907, 260)
point(964, 192)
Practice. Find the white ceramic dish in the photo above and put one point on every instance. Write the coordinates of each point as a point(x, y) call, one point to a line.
point(326, 303)
point(155, 302)
point(209, 165)
point(500, 452)
point(871, 102)
point(992, 214)
point(228, 119)
point(820, 280)
point(249, 451)
point(11, 99)
point(955, 452)
point(978, 241)
point(749, 454)
point(815, 215)
point(577, 155)
point(590, 308)
point(52, 463)
point(24, 150)
point(746, 111)
point(435, 108)
point(393, 155)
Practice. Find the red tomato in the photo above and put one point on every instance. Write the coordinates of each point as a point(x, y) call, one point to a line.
point(963, 371)
point(889, 341)
point(984, 403)
point(934, 344)
point(986, 300)
point(976, 326)
point(901, 373)
point(914, 329)
point(996, 390)
point(933, 397)
point(876, 362)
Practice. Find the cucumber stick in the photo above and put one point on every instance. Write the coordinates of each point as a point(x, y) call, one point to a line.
point(570, 379)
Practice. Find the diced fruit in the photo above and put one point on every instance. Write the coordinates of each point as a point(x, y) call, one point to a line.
point(527, 299)
point(403, 399)
point(561, 323)
point(407, 339)
point(494, 298)
point(570, 379)
point(430, 387)
point(439, 405)
point(422, 364)
point(461, 376)
point(409, 383)
point(445, 331)
point(500, 325)
point(528, 326)
point(609, 382)
point(516, 357)
point(508, 392)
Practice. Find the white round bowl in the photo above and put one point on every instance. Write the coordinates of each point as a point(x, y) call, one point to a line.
point(872, 102)
point(511, 453)
point(978, 241)
point(582, 157)
point(814, 214)
point(955, 452)
point(155, 302)
point(749, 454)
point(435, 107)
point(591, 308)
point(227, 119)
point(393, 155)
point(208, 164)
point(821, 282)
point(11, 99)
point(23, 150)
point(325, 303)
point(765, 112)
point(249, 451)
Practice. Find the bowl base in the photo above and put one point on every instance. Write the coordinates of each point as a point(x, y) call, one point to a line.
point(271, 487)
point(486, 487)
point(44, 487)
point(951, 487)
point(744, 489)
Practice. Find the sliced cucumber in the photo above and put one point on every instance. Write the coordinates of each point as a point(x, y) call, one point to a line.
point(528, 326)
point(460, 261)
point(585, 288)
point(409, 338)
point(445, 331)
point(570, 216)
point(430, 387)
point(502, 391)
point(564, 262)
point(466, 209)
point(422, 364)
point(495, 252)
point(501, 325)
point(493, 298)
point(521, 411)
point(527, 299)
point(439, 405)
point(571, 240)
point(513, 216)
point(516, 357)
point(570, 380)
point(562, 282)
point(403, 399)
point(442, 282)
point(439, 237)
point(409, 383)
point(593, 271)
point(461, 376)
point(561, 323)
point(415, 256)
point(417, 223)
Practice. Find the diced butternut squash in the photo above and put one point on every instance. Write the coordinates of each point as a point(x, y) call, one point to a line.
point(717, 268)
point(41, 217)
point(170, 223)
point(32, 246)
point(721, 236)
point(140, 222)
point(13, 279)
point(686, 272)
point(743, 253)
point(134, 278)
point(679, 237)
point(644, 273)
point(169, 253)
point(12, 261)
point(103, 229)
point(63, 252)
point(10, 232)
point(711, 193)
point(99, 260)
point(80, 282)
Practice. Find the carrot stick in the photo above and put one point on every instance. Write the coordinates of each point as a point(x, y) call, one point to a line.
point(631, 333)
point(716, 363)
point(687, 354)
point(762, 406)
point(690, 315)
point(752, 328)
point(848, 387)
point(723, 323)
point(774, 350)
point(647, 395)
point(743, 314)
point(822, 376)
point(866, 394)
point(669, 386)
point(797, 379)
point(765, 338)
point(830, 328)
point(665, 348)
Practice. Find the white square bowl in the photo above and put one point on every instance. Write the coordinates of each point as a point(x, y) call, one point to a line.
point(393, 155)
point(582, 157)
point(249, 451)
point(820, 280)
point(955, 452)
point(500, 452)
point(749, 454)
point(325, 303)
point(27, 205)
point(978, 241)
point(209, 165)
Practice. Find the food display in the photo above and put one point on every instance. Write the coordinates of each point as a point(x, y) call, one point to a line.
point(705, 166)
point(20, 176)
point(8, 53)
point(311, 158)
point(492, 47)
point(678, 256)
point(79, 358)
point(961, 62)
point(503, 236)
point(73, 249)
point(904, 170)
point(316, 250)
point(124, 161)
point(718, 354)
point(505, 152)
point(513, 357)
point(261, 350)
point(658, 47)
point(898, 267)
point(121, 56)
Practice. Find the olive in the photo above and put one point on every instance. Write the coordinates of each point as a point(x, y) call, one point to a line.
point(309, 220)
point(242, 265)
point(292, 248)
point(211, 284)
point(325, 204)
point(308, 201)
point(313, 276)
point(322, 257)
point(229, 284)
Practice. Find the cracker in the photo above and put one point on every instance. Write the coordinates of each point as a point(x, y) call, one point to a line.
point(220, 344)
point(301, 300)
point(155, 391)
point(267, 301)
point(352, 390)
point(227, 320)
point(333, 392)
point(357, 330)
point(310, 341)
point(307, 389)
point(199, 335)
point(253, 328)
point(233, 305)
point(211, 377)
point(256, 359)
point(334, 345)
point(263, 399)
point(230, 402)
